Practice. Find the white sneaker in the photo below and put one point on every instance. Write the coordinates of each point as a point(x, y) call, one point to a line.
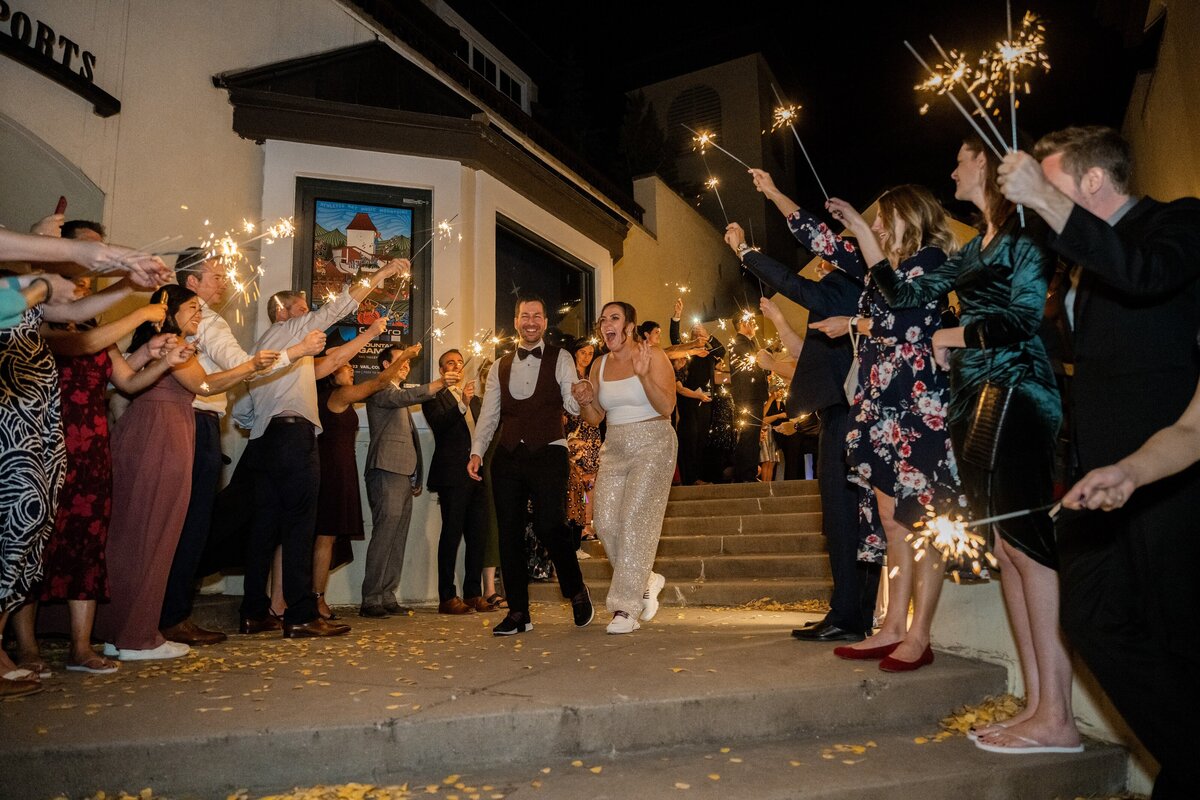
point(163, 651)
point(622, 623)
point(110, 650)
point(650, 598)
point(582, 554)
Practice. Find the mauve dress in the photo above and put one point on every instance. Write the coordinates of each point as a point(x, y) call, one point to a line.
point(152, 447)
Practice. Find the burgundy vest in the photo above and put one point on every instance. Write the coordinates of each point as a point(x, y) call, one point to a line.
point(538, 419)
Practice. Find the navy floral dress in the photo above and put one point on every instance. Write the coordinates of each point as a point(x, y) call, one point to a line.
point(898, 441)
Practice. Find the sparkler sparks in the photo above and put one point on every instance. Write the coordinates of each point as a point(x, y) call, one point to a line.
point(783, 115)
point(701, 141)
point(1016, 56)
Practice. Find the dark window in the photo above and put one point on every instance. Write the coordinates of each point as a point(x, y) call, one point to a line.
point(463, 49)
point(505, 82)
point(526, 264)
point(477, 61)
point(489, 70)
point(515, 92)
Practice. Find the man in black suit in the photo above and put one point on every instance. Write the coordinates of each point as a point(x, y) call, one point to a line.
point(748, 383)
point(817, 387)
point(1129, 595)
point(695, 407)
point(451, 414)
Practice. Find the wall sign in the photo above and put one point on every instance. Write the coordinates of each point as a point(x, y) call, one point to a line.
point(38, 46)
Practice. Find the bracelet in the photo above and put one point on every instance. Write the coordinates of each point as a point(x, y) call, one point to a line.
point(49, 288)
point(743, 247)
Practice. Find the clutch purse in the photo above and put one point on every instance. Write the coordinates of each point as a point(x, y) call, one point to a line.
point(982, 441)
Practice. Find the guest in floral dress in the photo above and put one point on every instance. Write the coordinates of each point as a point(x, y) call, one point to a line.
point(583, 443)
point(898, 446)
point(1001, 278)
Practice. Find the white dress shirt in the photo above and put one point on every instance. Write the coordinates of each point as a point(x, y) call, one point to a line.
point(293, 389)
point(522, 380)
point(220, 351)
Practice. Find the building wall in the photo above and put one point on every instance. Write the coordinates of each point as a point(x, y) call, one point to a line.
point(173, 145)
point(1162, 127)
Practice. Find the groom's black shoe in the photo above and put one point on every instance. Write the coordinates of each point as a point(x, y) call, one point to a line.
point(824, 632)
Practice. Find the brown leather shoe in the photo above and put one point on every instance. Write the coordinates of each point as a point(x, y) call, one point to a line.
point(19, 688)
point(454, 605)
point(188, 632)
point(479, 604)
point(314, 627)
point(260, 624)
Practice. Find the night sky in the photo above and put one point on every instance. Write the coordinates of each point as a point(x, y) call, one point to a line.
point(845, 63)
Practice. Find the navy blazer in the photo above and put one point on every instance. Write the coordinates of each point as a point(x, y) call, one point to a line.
point(452, 440)
point(823, 364)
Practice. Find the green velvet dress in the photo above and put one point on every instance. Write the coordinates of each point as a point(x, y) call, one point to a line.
point(1002, 291)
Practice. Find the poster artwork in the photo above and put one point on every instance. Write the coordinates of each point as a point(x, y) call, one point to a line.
point(351, 241)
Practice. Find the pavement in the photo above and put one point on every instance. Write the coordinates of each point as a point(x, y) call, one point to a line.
point(413, 701)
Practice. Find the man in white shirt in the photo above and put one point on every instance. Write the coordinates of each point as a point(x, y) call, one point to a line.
point(528, 391)
point(282, 461)
point(217, 350)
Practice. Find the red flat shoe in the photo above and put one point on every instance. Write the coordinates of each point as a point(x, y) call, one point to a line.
point(890, 664)
point(865, 654)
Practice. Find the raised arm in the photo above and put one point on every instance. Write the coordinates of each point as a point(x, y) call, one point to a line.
point(93, 340)
point(921, 290)
point(345, 396)
point(193, 377)
point(829, 298)
point(91, 306)
point(337, 357)
point(791, 340)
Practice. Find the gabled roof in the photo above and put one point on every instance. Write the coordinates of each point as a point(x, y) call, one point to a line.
point(369, 97)
point(362, 222)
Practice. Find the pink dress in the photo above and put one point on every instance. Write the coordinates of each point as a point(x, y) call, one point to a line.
point(152, 449)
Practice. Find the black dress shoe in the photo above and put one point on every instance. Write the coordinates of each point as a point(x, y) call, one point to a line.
point(260, 624)
point(314, 627)
point(377, 611)
point(581, 607)
point(827, 633)
point(514, 622)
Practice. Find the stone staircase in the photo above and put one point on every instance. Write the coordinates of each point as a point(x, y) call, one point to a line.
point(728, 545)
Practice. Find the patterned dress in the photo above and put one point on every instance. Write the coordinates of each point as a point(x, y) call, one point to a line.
point(898, 441)
point(583, 443)
point(1002, 289)
point(74, 558)
point(32, 455)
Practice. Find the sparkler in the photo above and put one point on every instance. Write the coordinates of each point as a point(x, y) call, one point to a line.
point(444, 231)
point(701, 141)
point(960, 73)
point(954, 99)
point(711, 184)
point(955, 540)
point(786, 115)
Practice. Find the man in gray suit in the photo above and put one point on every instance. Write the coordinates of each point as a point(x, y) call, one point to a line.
point(393, 479)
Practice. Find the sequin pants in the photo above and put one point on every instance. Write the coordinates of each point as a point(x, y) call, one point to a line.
point(637, 463)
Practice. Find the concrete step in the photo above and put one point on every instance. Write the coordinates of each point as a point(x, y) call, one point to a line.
point(723, 490)
point(432, 695)
point(720, 567)
point(725, 592)
point(754, 522)
point(892, 766)
point(741, 506)
point(730, 544)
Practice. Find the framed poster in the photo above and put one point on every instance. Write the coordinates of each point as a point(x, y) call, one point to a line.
point(344, 233)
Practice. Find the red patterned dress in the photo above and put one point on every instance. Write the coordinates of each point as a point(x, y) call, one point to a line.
point(74, 567)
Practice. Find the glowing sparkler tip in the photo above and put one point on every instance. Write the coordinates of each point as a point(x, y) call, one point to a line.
point(712, 183)
point(784, 115)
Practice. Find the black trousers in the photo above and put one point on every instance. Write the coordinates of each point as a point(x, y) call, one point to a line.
point(519, 477)
point(286, 470)
point(695, 418)
point(464, 519)
point(855, 583)
point(206, 474)
point(746, 453)
point(1129, 597)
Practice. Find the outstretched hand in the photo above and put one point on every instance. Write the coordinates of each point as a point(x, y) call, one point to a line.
point(1106, 488)
point(832, 327)
point(642, 358)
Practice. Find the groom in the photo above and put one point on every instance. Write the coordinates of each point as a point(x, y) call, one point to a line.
point(527, 392)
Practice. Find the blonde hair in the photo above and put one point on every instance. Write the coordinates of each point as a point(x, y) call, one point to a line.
point(926, 223)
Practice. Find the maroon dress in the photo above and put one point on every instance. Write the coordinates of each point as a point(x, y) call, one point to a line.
point(73, 565)
point(152, 447)
point(339, 504)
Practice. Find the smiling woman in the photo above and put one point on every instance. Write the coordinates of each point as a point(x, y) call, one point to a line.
point(633, 386)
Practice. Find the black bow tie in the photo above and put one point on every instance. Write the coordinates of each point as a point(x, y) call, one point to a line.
point(522, 353)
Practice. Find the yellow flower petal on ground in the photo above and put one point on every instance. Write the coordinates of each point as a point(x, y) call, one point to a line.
point(596, 770)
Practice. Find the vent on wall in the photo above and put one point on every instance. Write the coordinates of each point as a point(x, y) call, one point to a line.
point(699, 108)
